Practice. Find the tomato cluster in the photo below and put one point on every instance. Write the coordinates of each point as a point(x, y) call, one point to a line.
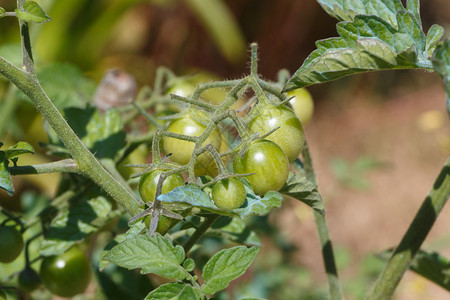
point(269, 141)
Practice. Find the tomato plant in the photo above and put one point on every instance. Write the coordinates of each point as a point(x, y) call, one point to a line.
point(269, 164)
point(289, 136)
point(96, 200)
point(66, 275)
point(11, 243)
point(302, 103)
point(228, 193)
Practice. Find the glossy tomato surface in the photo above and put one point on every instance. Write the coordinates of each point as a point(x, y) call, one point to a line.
point(149, 182)
point(228, 193)
point(302, 103)
point(66, 275)
point(289, 136)
point(269, 163)
point(11, 244)
point(182, 150)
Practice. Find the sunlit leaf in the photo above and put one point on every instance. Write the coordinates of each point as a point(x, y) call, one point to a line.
point(2, 12)
point(32, 12)
point(174, 290)
point(5, 178)
point(372, 42)
point(253, 205)
point(153, 254)
point(19, 149)
point(225, 266)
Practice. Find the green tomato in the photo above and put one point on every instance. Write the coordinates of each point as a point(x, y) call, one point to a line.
point(228, 193)
point(164, 223)
point(181, 88)
point(11, 244)
point(289, 136)
point(66, 275)
point(182, 150)
point(302, 103)
point(269, 163)
point(149, 182)
point(29, 280)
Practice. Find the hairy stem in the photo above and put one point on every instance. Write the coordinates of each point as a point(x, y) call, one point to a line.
point(87, 164)
point(65, 165)
point(324, 236)
point(414, 237)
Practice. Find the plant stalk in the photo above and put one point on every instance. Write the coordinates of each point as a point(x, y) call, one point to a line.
point(324, 236)
point(414, 237)
point(199, 232)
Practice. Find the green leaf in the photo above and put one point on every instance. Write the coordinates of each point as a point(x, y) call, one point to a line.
point(434, 36)
point(235, 230)
point(346, 10)
point(103, 134)
point(225, 266)
point(368, 43)
point(2, 12)
point(32, 12)
point(72, 225)
point(153, 254)
point(432, 266)
point(253, 205)
point(5, 178)
point(174, 290)
point(19, 149)
point(441, 64)
point(189, 264)
point(66, 85)
point(300, 188)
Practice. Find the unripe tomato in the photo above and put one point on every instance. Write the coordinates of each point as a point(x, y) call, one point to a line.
point(182, 150)
point(29, 280)
point(11, 244)
point(269, 163)
point(181, 88)
point(66, 275)
point(228, 193)
point(164, 223)
point(302, 103)
point(289, 136)
point(149, 182)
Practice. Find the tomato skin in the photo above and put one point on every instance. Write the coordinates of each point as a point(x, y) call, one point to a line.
point(290, 136)
point(164, 223)
point(181, 88)
point(29, 280)
point(269, 163)
point(11, 244)
point(302, 103)
point(66, 275)
point(228, 193)
point(149, 182)
point(182, 150)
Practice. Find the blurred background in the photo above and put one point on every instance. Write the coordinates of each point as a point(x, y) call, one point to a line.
point(378, 140)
